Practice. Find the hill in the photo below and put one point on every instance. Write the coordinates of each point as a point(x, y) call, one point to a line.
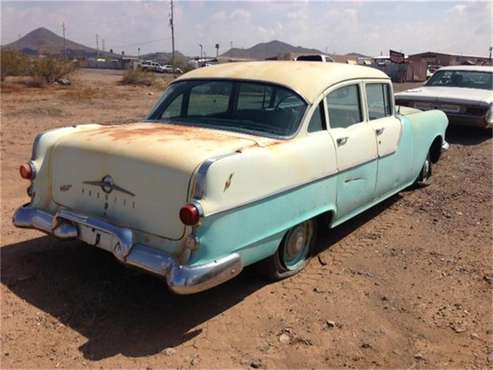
point(44, 41)
point(269, 49)
point(164, 57)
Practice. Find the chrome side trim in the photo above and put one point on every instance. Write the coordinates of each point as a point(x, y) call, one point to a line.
point(199, 184)
point(181, 279)
point(294, 187)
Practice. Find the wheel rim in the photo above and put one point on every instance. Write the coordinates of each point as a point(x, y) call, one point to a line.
point(297, 246)
point(426, 169)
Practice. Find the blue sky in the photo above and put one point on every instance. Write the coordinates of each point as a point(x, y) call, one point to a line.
point(368, 27)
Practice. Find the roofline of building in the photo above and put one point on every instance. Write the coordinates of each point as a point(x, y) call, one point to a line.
point(448, 54)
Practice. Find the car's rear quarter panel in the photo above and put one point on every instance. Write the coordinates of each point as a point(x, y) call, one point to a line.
point(426, 127)
point(252, 198)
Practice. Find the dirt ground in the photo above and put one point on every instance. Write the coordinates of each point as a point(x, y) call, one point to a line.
point(407, 284)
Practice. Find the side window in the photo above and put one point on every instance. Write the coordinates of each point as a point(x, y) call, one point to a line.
point(317, 122)
point(344, 107)
point(209, 99)
point(378, 97)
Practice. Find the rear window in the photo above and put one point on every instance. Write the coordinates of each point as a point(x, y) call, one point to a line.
point(251, 107)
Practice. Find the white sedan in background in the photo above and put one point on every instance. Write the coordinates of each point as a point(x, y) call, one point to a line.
point(464, 93)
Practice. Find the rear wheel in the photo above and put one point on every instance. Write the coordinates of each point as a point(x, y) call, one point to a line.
point(293, 254)
point(424, 178)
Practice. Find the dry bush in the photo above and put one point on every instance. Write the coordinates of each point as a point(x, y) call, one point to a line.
point(138, 77)
point(142, 78)
point(13, 63)
point(48, 70)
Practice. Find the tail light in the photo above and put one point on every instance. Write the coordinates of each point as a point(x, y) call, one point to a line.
point(27, 171)
point(190, 214)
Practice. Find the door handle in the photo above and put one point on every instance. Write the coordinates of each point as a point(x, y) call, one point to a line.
point(379, 131)
point(342, 140)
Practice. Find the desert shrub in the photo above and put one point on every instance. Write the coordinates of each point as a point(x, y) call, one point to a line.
point(181, 62)
point(13, 63)
point(48, 70)
point(138, 77)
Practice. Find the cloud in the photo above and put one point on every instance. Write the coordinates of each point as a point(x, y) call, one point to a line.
point(364, 26)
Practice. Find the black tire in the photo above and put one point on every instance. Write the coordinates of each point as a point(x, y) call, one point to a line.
point(279, 266)
point(424, 178)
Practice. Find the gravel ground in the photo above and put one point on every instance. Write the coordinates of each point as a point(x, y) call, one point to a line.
point(407, 284)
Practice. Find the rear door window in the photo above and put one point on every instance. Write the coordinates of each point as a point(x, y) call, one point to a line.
point(344, 106)
point(378, 98)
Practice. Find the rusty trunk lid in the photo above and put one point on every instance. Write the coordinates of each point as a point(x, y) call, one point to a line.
point(135, 175)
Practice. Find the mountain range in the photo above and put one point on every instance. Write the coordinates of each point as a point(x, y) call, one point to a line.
point(269, 49)
point(44, 41)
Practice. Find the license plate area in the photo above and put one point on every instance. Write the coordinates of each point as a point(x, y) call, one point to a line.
point(96, 237)
point(447, 108)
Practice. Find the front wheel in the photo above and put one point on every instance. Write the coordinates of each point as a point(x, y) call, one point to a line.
point(293, 254)
point(424, 178)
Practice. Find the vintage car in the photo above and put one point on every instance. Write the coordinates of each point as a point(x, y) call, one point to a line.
point(464, 93)
point(236, 163)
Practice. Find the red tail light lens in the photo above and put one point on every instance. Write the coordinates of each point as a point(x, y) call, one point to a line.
point(189, 214)
point(27, 171)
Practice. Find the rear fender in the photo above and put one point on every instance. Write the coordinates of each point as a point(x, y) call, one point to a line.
point(428, 131)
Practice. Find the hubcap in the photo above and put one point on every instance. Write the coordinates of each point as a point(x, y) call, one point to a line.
point(426, 169)
point(297, 246)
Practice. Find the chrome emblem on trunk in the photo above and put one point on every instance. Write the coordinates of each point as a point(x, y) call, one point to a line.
point(107, 185)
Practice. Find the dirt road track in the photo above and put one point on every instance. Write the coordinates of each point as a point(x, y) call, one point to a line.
point(406, 284)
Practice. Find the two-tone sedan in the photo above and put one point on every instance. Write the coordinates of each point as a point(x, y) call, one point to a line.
point(464, 93)
point(236, 164)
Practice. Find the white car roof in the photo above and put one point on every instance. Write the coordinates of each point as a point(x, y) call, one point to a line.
point(308, 79)
point(468, 68)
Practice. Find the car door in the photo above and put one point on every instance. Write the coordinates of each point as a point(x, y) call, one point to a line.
point(392, 169)
point(356, 148)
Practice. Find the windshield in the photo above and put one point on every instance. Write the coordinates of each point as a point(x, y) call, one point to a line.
point(467, 79)
point(310, 58)
point(263, 108)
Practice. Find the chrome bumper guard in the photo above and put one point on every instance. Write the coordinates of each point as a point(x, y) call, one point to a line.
point(181, 279)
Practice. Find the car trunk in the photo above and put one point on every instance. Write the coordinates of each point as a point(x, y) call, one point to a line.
point(136, 175)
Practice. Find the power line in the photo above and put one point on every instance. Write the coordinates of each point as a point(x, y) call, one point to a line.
point(141, 43)
point(171, 24)
point(64, 42)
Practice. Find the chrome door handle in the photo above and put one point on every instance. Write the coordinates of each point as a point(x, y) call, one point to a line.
point(342, 140)
point(379, 131)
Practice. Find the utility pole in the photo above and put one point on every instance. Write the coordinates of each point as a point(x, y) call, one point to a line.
point(102, 41)
point(171, 24)
point(97, 45)
point(64, 42)
point(491, 49)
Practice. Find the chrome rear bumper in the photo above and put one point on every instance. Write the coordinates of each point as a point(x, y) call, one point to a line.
point(181, 279)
